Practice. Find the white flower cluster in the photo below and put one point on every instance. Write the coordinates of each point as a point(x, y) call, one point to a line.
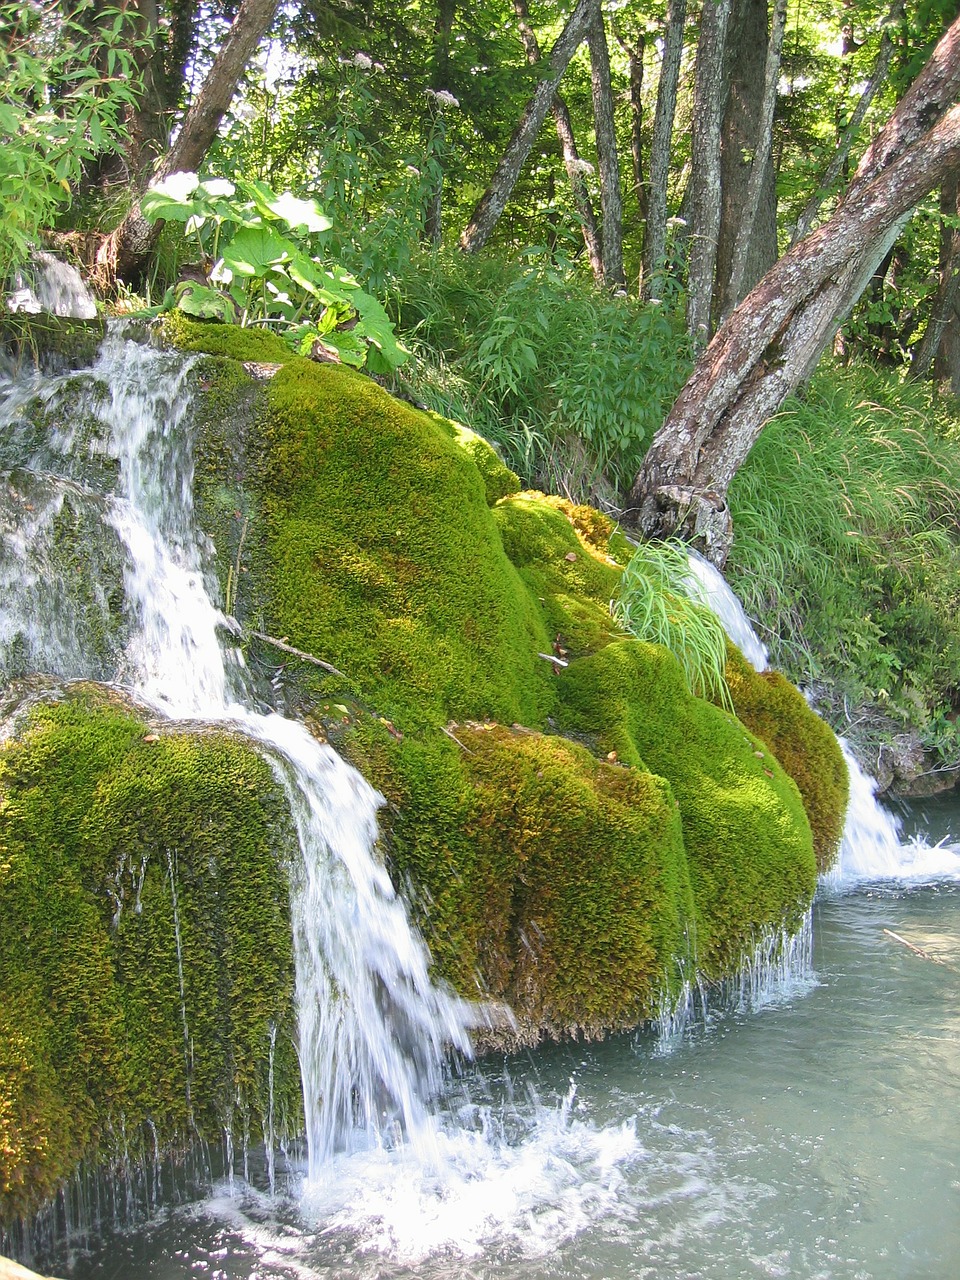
point(442, 97)
point(580, 166)
point(363, 62)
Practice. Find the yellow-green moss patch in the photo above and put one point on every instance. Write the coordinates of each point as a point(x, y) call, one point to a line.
point(746, 834)
point(807, 748)
point(145, 956)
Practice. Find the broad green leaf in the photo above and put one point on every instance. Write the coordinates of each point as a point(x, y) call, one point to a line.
point(254, 251)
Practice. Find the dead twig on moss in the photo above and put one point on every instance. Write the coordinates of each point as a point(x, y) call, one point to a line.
point(297, 653)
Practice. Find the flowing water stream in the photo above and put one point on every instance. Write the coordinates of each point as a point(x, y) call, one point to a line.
point(807, 1127)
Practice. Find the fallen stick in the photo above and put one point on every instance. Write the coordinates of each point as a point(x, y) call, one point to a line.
point(919, 951)
point(297, 653)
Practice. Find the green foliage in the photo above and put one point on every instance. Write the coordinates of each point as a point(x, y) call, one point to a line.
point(67, 75)
point(263, 269)
point(659, 601)
point(845, 548)
point(567, 381)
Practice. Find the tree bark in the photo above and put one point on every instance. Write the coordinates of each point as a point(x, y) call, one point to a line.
point(439, 76)
point(124, 253)
point(634, 56)
point(708, 111)
point(655, 231)
point(611, 200)
point(774, 339)
point(943, 306)
point(492, 203)
point(571, 157)
point(740, 279)
point(878, 75)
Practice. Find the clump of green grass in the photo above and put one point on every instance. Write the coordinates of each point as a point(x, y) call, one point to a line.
point(658, 601)
point(569, 382)
point(847, 548)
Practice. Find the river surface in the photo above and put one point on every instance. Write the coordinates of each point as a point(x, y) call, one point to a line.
point(817, 1135)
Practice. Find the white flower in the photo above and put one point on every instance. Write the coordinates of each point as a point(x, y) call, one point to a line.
point(361, 60)
point(442, 97)
point(581, 166)
point(676, 222)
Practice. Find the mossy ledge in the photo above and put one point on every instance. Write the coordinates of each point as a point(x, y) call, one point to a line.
point(145, 955)
point(573, 838)
point(395, 546)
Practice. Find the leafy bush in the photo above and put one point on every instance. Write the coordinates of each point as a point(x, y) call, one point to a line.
point(569, 382)
point(257, 252)
point(66, 76)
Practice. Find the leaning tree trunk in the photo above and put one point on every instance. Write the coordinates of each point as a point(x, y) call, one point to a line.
point(708, 110)
point(655, 232)
point(611, 201)
point(774, 339)
point(571, 157)
point(125, 252)
point(494, 200)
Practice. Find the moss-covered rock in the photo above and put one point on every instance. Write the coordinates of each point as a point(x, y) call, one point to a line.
point(359, 530)
point(745, 831)
point(51, 343)
point(145, 954)
point(805, 746)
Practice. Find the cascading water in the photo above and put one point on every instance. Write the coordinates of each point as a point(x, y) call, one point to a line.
point(871, 848)
point(373, 1029)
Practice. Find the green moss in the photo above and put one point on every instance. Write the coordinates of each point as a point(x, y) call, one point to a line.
point(127, 864)
point(386, 560)
point(570, 576)
point(746, 834)
point(52, 343)
point(549, 879)
point(257, 346)
point(498, 479)
point(806, 747)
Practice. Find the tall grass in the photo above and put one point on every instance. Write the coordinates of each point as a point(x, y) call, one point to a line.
point(847, 542)
point(569, 382)
point(659, 601)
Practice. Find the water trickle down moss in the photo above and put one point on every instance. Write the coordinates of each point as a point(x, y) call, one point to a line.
point(384, 557)
point(92, 820)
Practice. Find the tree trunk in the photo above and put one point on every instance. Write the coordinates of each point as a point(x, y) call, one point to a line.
point(611, 201)
point(774, 339)
point(571, 157)
point(708, 112)
point(753, 254)
point(943, 306)
point(878, 75)
point(124, 253)
point(439, 76)
point(494, 200)
point(655, 232)
point(634, 55)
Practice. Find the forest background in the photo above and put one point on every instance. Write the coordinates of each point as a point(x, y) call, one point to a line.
point(555, 209)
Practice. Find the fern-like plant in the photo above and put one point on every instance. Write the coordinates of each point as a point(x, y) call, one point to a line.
point(660, 601)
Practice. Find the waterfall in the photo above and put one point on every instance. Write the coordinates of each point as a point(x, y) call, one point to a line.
point(373, 1029)
point(871, 848)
